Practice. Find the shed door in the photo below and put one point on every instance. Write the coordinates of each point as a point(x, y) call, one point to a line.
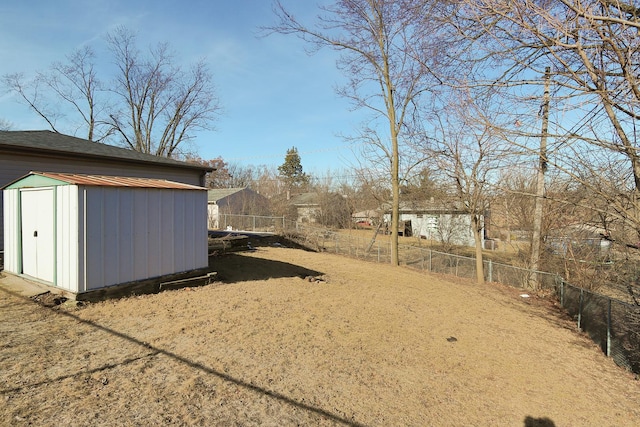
point(37, 233)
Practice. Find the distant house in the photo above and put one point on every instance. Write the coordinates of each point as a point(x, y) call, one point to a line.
point(233, 201)
point(440, 223)
point(307, 207)
point(579, 240)
point(366, 218)
point(24, 151)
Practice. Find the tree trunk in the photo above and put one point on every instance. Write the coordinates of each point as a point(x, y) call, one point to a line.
point(536, 238)
point(477, 237)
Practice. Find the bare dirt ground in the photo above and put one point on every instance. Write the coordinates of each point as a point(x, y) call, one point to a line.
point(367, 345)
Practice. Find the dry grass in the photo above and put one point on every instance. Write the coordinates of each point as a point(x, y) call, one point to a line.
point(367, 345)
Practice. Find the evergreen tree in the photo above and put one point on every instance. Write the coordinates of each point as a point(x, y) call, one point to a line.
point(291, 171)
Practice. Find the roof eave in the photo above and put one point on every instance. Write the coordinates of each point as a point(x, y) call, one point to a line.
point(66, 154)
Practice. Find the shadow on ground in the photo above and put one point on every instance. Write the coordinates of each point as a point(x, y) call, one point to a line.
point(233, 267)
point(538, 422)
point(153, 351)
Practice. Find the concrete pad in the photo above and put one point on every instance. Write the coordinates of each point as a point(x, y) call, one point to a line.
point(21, 286)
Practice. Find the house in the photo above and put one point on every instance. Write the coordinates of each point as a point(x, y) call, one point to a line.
point(581, 241)
point(85, 233)
point(24, 151)
point(233, 201)
point(367, 218)
point(307, 207)
point(438, 222)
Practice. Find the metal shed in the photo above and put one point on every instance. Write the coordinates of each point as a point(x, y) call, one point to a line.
point(81, 233)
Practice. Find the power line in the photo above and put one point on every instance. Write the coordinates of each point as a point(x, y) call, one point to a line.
point(280, 155)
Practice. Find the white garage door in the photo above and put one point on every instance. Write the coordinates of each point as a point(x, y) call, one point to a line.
point(37, 233)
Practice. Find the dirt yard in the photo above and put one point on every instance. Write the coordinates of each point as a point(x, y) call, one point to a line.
point(270, 345)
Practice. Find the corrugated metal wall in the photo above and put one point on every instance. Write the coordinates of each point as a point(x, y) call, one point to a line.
point(135, 233)
point(67, 237)
point(11, 222)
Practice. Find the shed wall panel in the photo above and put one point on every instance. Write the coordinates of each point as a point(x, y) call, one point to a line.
point(169, 232)
point(111, 233)
point(11, 222)
point(140, 235)
point(126, 251)
point(82, 239)
point(179, 206)
point(199, 223)
point(67, 241)
point(154, 231)
point(94, 222)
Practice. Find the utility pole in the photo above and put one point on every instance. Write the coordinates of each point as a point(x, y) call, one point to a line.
point(536, 239)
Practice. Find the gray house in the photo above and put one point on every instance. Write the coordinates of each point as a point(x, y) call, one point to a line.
point(444, 223)
point(307, 206)
point(24, 151)
point(234, 201)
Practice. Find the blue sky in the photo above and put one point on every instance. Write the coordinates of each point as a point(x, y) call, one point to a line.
point(274, 94)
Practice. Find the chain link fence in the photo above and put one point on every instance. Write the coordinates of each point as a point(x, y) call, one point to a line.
point(254, 223)
point(612, 324)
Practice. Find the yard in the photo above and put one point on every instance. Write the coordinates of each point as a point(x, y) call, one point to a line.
point(289, 337)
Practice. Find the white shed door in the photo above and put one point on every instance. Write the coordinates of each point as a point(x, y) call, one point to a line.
point(37, 233)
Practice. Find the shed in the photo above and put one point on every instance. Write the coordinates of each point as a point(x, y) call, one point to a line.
point(83, 233)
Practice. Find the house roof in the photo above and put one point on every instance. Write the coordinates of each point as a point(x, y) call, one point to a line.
point(216, 194)
point(45, 141)
point(38, 179)
point(444, 206)
point(308, 199)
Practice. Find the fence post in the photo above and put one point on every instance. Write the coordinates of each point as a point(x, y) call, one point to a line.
point(430, 260)
point(490, 273)
point(609, 328)
point(580, 308)
point(254, 223)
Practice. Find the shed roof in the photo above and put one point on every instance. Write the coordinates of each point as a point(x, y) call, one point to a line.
point(102, 181)
point(45, 141)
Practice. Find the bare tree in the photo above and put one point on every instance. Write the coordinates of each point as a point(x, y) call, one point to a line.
point(5, 124)
point(593, 51)
point(386, 69)
point(468, 153)
point(162, 103)
point(76, 84)
point(153, 106)
point(30, 92)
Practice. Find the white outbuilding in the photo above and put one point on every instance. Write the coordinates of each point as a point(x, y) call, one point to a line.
point(85, 233)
